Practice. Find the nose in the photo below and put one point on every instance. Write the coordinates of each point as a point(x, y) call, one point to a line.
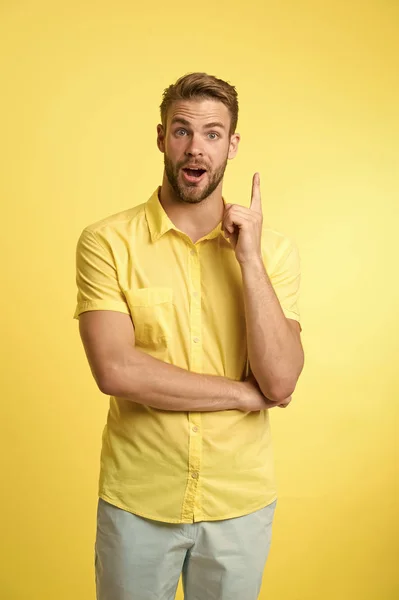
point(194, 147)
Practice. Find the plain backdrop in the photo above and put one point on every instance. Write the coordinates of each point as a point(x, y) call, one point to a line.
point(318, 92)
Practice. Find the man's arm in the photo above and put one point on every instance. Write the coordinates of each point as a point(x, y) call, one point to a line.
point(274, 346)
point(120, 369)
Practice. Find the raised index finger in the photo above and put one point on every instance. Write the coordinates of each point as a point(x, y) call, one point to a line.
point(256, 201)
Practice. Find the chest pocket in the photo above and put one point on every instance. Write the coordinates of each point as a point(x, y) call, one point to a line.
point(152, 311)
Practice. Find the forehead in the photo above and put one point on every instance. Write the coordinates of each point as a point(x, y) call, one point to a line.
point(199, 111)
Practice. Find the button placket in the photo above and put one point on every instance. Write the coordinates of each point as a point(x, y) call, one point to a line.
point(195, 310)
point(194, 418)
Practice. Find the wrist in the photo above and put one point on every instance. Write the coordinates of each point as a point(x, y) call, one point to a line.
point(254, 262)
point(241, 395)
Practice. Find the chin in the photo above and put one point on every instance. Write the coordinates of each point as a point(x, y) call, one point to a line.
point(192, 199)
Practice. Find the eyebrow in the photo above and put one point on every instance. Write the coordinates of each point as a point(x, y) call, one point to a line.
point(187, 123)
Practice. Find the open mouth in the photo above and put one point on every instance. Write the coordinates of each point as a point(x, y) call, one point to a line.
point(193, 175)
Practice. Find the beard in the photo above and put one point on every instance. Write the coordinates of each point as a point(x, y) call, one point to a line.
point(192, 194)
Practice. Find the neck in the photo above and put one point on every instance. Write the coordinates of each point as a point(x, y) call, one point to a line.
point(197, 219)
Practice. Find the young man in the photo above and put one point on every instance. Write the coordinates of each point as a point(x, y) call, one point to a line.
point(188, 314)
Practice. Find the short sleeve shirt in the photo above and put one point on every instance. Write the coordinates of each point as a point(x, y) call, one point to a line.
point(185, 300)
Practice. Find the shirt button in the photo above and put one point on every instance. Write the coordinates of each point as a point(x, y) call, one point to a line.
point(195, 294)
point(194, 475)
point(196, 340)
point(193, 252)
point(195, 428)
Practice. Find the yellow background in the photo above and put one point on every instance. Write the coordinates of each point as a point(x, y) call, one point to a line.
point(318, 91)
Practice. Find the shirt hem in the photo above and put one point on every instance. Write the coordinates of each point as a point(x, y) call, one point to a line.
point(233, 515)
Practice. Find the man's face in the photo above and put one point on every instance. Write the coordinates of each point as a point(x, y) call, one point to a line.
point(196, 147)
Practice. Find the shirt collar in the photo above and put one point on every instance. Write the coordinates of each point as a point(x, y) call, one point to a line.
point(159, 222)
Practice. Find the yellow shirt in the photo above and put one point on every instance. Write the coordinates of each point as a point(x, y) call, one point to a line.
point(186, 303)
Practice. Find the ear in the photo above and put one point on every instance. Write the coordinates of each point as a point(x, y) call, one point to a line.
point(233, 146)
point(161, 138)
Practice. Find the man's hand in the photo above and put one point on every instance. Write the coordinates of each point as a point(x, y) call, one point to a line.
point(243, 226)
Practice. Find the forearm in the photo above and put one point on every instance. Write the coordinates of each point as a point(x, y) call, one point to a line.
point(152, 382)
point(275, 353)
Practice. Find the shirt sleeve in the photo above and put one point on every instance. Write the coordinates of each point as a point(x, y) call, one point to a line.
point(286, 278)
point(96, 277)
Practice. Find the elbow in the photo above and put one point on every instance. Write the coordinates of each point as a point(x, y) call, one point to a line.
point(105, 388)
point(103, 378)
point(111, 386)
point(115, 381)
point(280, 388)
point(123, 378)
point(106, 382)
point(279, 392)
point(283, 395)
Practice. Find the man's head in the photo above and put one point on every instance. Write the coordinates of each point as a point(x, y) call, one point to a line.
point(199, 116)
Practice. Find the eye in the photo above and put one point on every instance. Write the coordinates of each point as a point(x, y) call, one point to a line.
point(215, 134)
point(179, 130)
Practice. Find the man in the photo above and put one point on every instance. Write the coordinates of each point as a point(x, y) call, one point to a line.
point(188, 314)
